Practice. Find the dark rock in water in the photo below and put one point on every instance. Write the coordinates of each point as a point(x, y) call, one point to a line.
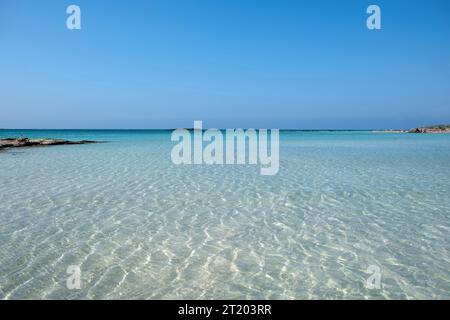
point(25, 142)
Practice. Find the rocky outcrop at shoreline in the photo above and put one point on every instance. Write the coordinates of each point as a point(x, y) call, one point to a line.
point(432, 129)
point(26, 142)
point(444, 128)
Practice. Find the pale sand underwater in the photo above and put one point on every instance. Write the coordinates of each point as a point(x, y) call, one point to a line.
point(140, 227)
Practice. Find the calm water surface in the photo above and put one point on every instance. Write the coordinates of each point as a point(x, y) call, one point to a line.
point(140, 227)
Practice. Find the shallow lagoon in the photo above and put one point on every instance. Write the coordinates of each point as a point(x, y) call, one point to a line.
point(140, 227)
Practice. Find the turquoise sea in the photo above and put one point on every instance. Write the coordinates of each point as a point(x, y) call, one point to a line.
point(139, 226)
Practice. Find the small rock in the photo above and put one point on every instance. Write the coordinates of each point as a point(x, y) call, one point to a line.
point(25, 142)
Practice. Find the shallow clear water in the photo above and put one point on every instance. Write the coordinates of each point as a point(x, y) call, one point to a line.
point(140, 227)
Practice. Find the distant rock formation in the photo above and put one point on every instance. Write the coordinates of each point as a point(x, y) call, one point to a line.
point(443, 128)
point(25, 142)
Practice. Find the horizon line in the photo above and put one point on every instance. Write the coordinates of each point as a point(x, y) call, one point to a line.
point(171, 129)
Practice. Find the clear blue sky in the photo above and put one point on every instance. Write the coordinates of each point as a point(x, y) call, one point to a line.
point(247, 63)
